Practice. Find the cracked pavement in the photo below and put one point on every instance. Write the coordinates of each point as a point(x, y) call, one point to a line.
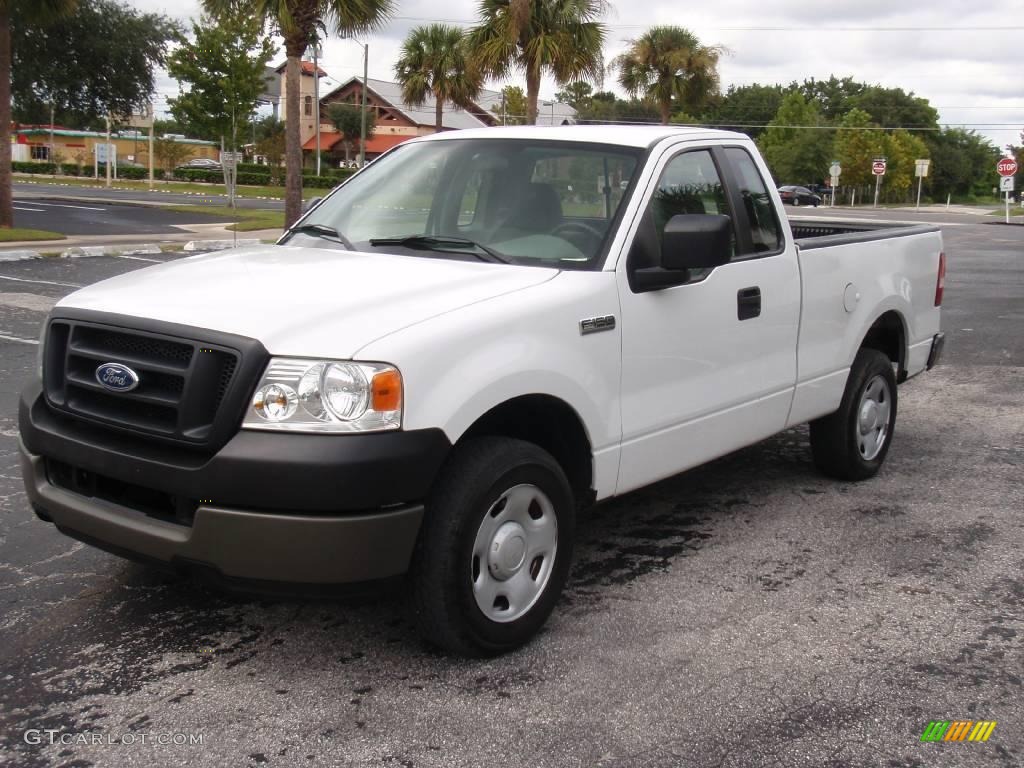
point(748, 613)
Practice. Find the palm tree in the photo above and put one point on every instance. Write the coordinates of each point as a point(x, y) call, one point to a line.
point(433, 62)
point(563, 37)
point(670, 65)
point(299, 22)
point(28, 12)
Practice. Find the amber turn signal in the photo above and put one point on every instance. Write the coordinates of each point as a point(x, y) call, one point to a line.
point(386, 391)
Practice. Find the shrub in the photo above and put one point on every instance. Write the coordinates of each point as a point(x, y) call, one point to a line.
point(33, 167)
point(253, 178)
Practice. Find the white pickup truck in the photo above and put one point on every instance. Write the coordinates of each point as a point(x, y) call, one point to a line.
point(455, 351)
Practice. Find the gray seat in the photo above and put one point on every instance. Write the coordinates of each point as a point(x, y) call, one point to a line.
point(536, 209)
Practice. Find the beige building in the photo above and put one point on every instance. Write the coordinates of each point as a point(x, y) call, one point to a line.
point(307, 98)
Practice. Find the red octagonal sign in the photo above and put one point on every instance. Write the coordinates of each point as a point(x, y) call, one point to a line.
point(1006, 167)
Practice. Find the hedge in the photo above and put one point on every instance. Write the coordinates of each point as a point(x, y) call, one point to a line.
point(33, 167)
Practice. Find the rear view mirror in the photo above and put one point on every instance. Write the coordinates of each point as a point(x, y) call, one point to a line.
point(696, 241)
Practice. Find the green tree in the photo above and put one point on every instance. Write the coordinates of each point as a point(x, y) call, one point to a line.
point(606, 107)
point(895, 108)
point(795, 145)
point(170, 153)
point(746, 108)
point(40, 12)
point(578, 95)
point(299, 22)
point(513, 109)
point(856, 146)
point(670, 66)
point(101, 60)
point(561, 37)
point(220, 73)
point(901, 149)
point(348, 120)
point(835, 97)
point(270, 143)
point(963, 163)
point(433, 62)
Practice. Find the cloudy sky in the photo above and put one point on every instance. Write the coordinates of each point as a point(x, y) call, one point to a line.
point(964, 56)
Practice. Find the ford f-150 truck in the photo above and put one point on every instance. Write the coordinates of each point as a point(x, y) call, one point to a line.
point(458, 349)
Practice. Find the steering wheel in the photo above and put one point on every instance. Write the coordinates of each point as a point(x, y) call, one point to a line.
point(571, 228)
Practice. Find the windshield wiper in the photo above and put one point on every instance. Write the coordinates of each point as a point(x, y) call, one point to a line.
point(448, 243)
point(324, 231)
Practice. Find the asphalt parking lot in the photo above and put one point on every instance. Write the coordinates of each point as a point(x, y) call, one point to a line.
point(90, 217)
point(747, 613)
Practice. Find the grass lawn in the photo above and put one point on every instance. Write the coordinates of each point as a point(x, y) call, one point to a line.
point(246, 219)
point(15, 235)
point(213, 190)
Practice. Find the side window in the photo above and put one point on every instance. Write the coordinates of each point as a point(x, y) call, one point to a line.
point(689, 184)
point(765, 233)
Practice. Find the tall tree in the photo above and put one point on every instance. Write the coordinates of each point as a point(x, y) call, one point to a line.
point(746, 108)
point(40, 12)
point(299, 22)
point(795, 145)
point(578, 95)
point(856, 146)
point(99, 60)
point(348, 120)
point(433, 62)
point(671, 66)
point(560, 37)
point(962, 163)
point(220, 72)
point(512, 109)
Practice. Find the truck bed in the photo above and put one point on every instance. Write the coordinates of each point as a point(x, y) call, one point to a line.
point(818, 233)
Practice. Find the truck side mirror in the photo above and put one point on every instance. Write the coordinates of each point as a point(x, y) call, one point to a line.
point(696, 241)
point(692, 241)
point(311, 204)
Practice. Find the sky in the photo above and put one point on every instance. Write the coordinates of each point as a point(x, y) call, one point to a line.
point(964, 56)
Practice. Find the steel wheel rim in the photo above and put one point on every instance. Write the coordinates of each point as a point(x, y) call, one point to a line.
point(873, 414)
point(514, 553)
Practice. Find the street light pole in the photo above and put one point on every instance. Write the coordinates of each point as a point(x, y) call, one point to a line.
point(362, 130)
point(316, 99)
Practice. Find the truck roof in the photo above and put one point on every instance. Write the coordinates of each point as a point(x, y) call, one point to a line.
point(625, 135)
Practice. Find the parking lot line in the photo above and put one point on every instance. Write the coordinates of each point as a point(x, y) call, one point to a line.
point(5, 337)
point(41, 282)
point(61, 205)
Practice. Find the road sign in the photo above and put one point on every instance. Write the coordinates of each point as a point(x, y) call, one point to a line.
point(878, 167)
point(835, 169)
point(102, 150)
point(1006, 184)
point(1006, 166)
point(921, 168)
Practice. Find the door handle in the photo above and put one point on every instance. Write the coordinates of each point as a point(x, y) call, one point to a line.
point(748, 303)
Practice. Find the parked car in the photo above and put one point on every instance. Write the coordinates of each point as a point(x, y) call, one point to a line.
point(799, 196)
point(449, 356)
point(202, 163)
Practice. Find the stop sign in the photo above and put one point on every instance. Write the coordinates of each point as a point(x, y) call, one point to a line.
point(1006, 167)
point(878, 167)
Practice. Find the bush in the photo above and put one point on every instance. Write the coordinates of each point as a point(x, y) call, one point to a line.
point(199, 174)
point(320, 182)
point(33, 167)
point(253, 178)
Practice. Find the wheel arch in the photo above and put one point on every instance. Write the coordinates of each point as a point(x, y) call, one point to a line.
point(888, 334)
point(550, 423)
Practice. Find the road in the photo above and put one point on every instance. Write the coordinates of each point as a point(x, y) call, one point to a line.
point(25, 191)
point(748, 613)
point(85, 217)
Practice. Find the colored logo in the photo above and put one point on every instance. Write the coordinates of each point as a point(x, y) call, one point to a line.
point(958, 730)
point(117, 377)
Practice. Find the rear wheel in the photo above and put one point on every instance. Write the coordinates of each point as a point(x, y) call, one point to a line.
point(495, 548)
point(796, 200)
point(852, 443)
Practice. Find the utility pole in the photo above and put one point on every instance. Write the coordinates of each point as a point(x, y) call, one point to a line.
point(316, 98)
point(109, 153)
point(362, 130)
point(52, 144)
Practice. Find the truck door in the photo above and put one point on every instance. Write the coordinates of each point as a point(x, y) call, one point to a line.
point(708, 366)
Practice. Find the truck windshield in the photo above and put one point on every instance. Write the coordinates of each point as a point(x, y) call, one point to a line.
point(519, 201)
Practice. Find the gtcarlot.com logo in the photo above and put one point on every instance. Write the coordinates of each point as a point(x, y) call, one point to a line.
point(958, 730)
point(84, 738)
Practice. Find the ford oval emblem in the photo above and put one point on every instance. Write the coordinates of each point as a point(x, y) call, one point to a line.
point(117, 377)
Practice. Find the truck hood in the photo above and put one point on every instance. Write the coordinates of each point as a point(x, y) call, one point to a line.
point(304, 302)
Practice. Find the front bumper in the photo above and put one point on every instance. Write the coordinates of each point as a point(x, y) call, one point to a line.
point(310, 509)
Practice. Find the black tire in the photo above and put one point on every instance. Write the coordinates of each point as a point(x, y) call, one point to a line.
point(473, 480)
point(835, 438)
point(796, 201)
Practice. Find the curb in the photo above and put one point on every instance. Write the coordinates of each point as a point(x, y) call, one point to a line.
point(18, 255)
point(86, 251)
point(220, 245)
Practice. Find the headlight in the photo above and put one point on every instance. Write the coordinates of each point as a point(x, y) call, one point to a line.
point(297, 395)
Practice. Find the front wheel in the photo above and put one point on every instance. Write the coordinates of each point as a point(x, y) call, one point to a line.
point(796, 201)
point(851, 444)
point(495, 548)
